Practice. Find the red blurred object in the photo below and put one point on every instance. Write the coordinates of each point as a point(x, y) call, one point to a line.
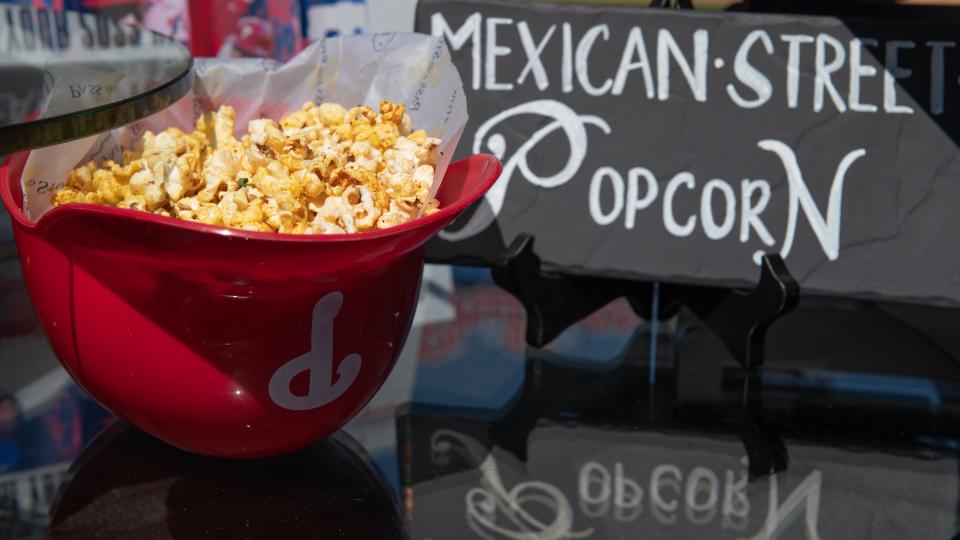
point(227, 342)
point(253, 28)
point(254, 37)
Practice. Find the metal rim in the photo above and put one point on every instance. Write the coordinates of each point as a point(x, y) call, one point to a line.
point(72, 126)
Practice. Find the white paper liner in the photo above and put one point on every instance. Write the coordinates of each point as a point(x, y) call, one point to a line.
point(413, 69)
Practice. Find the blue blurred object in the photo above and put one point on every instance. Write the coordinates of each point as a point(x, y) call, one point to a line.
point(477, 359)
point(11, 452)
point(472, 275)
point(57, 434)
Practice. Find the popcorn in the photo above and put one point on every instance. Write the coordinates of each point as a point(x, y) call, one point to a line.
point(322, 169)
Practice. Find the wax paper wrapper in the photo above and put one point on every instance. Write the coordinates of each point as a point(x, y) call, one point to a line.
point(413, 69)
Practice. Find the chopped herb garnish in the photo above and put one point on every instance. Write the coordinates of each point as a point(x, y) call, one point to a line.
point(243, 181)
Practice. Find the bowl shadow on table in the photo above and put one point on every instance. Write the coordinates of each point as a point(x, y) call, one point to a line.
point(127, 484)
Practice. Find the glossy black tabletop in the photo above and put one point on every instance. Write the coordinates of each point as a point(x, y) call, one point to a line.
point(66, 75)
point(618, 429)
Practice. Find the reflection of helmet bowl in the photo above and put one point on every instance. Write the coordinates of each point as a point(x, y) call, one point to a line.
point(334, 488)
point(226, 342)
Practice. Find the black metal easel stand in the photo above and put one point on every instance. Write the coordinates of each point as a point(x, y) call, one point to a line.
point(740, 318)
point(554, 301)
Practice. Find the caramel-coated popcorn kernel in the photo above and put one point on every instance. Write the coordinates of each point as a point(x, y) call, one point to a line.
point(322, 169)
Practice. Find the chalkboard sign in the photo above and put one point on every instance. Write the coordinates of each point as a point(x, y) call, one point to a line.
point(681, 146)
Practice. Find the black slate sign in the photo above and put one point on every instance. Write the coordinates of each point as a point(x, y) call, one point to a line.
point(680, 146)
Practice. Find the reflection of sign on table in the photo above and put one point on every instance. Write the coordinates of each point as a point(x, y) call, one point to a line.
point(584, 482)
point(679, 145)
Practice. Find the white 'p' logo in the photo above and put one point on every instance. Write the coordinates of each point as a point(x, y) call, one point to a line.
point(319, 362)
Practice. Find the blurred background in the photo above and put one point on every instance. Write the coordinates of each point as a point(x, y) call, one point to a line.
point(280, 28)
point(466, 349)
